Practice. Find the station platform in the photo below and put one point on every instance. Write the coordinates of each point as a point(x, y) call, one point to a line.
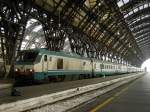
point(43, 89)
point(5, 88)
point(133, 97)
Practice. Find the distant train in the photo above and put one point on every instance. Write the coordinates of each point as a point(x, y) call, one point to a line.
point(41, 64)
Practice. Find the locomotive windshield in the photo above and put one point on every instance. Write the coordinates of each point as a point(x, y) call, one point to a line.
point(27, 56)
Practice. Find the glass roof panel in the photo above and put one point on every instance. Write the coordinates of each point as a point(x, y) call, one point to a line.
point(27, 37)
point(120, 3)
point(36, 29)
point(130, 13)
point(146, 5)
point(126, 16)
point(141, 7)
point(126, 1)
point(135, 10)
point(30, 22)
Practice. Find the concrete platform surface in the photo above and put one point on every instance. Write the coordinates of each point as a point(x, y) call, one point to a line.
point(133, 97)
point(39, 90)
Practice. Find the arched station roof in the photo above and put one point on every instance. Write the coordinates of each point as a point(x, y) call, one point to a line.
point(112, 28)
point(137, 16)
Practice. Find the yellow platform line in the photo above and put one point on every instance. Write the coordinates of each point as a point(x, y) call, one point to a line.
point(101, 105)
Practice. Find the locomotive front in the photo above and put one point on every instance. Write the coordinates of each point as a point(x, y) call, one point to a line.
point(24, 65)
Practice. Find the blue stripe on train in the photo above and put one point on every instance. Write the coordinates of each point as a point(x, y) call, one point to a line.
point(43, 75)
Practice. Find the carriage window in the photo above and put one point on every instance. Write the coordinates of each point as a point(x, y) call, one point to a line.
point(59, 63)
point(106, 67)
point(119, 67)
point(45, 57)
point(50, 58)
point(84, 63)
point(102, 66)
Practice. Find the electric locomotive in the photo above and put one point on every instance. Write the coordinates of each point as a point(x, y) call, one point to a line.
point(38, 65)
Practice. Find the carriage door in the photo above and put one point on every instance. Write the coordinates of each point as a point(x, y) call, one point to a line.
point(45, 64)
point(59, 63)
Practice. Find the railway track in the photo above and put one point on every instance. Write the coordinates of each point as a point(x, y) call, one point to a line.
point(67, 99)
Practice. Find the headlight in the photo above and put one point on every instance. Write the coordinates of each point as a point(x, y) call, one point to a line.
point(31, 70)
point(16, 70)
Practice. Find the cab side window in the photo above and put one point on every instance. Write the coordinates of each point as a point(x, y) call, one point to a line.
point(45, 57)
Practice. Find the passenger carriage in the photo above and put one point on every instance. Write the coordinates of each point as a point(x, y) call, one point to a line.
point(41, 64)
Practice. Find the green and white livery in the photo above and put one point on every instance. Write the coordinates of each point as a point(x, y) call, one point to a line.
point(41, 64)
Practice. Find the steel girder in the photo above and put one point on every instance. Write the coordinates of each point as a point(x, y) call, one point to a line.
point(132, 4)
point(66, 12)
point(141, 27)
point(31, 37)
point(78, 44)
point(143, 42)
point(92, 23)
point(140, 15)
point(141, 21)
point(142, 32)
point(29, 30)
point(145, 45)
point(81, 46)
point(55, 35)
point(32, 41)
point(131, 37)
point(109, 37)
point(13, 18)
point(96, 31)
point(143, 37)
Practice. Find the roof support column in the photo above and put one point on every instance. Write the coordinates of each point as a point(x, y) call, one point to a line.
point(14, 15)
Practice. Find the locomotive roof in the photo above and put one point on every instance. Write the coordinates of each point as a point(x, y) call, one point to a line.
point(65, 54)
point(57, 53)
